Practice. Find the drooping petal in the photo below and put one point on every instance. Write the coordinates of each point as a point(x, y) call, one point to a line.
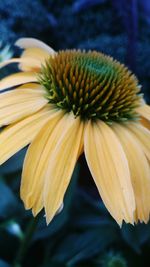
point(62, 160)
point(143, 135)
point(35, 165)
point(29, 63)
point(109, 168)
point(17, 79)
point(32, 42)
point(144, 111)
point(46, 140)
point(17, 104)
point(139, 169)
point(18, 135)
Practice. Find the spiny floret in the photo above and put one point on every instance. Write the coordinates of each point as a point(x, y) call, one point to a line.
point(91, 85)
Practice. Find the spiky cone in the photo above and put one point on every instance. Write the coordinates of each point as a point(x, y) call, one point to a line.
point(67, 103)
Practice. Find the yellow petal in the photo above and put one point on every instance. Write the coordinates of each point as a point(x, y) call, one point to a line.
point(16, 104)
point(18, 135)
point(35, 165)
point(37, 54)
point(36, 86)
point(139, 169)
point(32, 42)
point(17, 79)
point(62, 160)
point(15, 96)
point(109, 168)
point(144, 111)
point(143, 136)
point(30, 63)
point(145, 123)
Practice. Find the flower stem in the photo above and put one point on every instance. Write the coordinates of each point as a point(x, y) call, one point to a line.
point(25, 242)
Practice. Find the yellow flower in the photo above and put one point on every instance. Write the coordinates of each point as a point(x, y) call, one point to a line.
point(71, 102)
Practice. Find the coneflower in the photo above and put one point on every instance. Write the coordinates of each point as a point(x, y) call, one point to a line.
point(75, 102)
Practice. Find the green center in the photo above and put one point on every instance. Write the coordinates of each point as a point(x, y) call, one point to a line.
point(91, 85)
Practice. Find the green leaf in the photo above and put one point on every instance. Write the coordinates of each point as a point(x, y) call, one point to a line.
point(76, 247)
point(88, 213)
point(136, 236)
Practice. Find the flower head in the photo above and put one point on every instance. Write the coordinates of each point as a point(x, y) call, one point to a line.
point(91, 85)
point(67, 103)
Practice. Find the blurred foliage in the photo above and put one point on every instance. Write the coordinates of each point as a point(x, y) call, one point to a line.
point(112, 260)
point(83, 234)
point(5, 52)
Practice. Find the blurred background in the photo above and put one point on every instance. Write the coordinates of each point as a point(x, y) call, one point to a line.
point(83, 234)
